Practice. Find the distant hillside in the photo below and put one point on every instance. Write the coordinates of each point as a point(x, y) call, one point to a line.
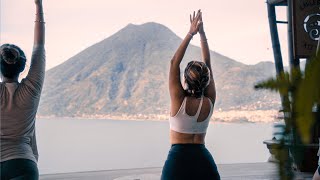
point(127, 73)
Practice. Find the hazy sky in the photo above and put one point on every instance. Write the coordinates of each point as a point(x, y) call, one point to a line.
point(237, 29)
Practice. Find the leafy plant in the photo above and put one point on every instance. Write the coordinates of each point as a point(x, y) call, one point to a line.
point(303, 90)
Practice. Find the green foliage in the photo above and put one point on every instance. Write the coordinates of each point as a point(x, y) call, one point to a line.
point(307, 95)
point(304, 91)
point(300, 93)
point(280, 84)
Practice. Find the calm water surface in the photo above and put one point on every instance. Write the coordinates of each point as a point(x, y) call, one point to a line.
point(73, 145)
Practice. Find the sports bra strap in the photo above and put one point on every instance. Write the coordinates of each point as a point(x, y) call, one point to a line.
point(183, 105)
point(199, 108)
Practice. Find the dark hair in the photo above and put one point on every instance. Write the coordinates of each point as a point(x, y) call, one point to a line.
point(12, 60)
point(197, 78)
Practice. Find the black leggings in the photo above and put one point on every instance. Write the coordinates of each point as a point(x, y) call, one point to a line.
point(19, 169)
point(189, 162)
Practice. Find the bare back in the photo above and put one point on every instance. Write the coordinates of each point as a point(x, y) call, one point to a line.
point(177, 93)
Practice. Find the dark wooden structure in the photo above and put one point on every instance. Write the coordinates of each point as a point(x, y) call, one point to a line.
point(303, 28)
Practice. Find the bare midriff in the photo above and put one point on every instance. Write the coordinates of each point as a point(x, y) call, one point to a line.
point(182, 138)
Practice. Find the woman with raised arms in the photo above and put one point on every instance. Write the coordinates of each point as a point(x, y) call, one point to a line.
point(191, 110)
point(19, 104)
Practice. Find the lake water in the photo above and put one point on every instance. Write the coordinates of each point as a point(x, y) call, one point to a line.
point(74, 145)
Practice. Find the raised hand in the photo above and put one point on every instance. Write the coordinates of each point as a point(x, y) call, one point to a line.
point(201, 29)
point(194, 20)
point(38, 2)
point(39, 29)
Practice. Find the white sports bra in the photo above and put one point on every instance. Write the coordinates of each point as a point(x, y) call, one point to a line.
point(184, 123)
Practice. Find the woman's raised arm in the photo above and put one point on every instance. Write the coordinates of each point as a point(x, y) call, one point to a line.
point(39, 29)
point(175, 87)
point(210, 91)
point(36, 72)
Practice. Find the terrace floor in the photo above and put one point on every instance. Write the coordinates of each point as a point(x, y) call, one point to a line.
point(250, 171)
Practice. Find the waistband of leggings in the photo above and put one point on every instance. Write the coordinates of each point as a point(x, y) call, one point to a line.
point(188, 145)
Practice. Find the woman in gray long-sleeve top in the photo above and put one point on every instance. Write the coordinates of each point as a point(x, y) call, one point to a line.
point(19, 104)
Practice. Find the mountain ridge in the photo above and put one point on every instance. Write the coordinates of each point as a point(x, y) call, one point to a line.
point(127, 73)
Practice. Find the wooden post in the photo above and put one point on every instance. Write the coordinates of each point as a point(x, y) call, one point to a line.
point(275, 38)
point(293, 61)
point(284, 171)
point(277, 2)
point(277, 54)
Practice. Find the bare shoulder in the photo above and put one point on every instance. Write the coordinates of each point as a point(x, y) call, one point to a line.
point(176, 103)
